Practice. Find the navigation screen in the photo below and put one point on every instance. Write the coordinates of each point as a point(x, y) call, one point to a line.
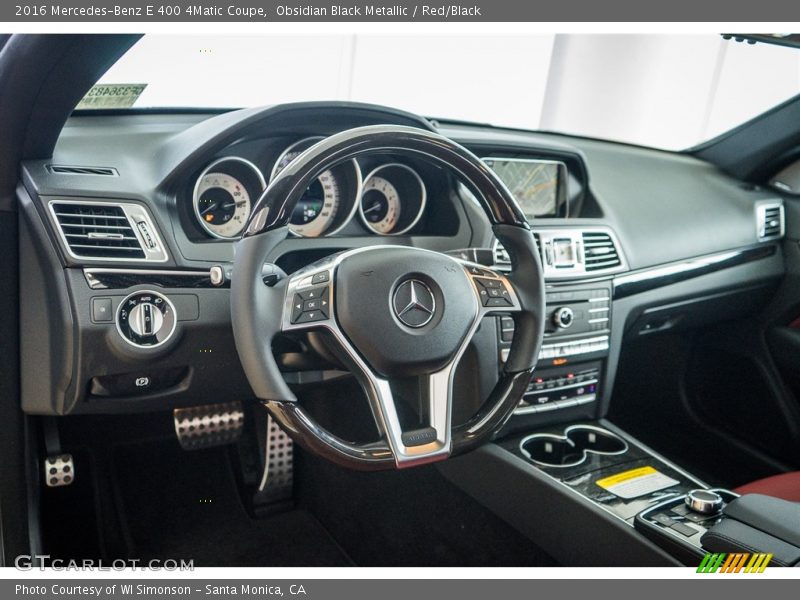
point(536, 184)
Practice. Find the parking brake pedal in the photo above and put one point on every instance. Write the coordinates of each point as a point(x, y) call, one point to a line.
point(210, 425)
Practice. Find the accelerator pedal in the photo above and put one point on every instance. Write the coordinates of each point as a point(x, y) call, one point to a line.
point(278, 476)
point(210, 425)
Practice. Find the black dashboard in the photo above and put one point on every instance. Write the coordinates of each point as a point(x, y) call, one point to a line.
point(149, 205)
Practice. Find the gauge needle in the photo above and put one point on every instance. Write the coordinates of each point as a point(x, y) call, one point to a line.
point(209, 208)
point(373, 207)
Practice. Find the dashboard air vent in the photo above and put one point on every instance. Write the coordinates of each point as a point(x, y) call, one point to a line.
point(770, 220)
point(72, 170)
point(97, 230)
point(501, 257)
point(599, 251)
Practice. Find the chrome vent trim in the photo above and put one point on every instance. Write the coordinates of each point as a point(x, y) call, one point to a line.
point(78, 170)
point(107, 231)
point(599, 251)
point(770, 220)
point(596, 250)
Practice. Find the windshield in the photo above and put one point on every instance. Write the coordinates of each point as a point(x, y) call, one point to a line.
point(666, 91)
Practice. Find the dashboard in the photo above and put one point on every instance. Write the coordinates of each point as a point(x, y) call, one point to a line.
point(134, 221)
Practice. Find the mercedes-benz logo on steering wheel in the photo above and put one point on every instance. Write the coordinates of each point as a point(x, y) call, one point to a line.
point(414, 303)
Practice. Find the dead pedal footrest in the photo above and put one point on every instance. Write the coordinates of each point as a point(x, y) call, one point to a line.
point(210, 425)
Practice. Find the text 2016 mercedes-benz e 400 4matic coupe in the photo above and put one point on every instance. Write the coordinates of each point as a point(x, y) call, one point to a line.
point(353, 300)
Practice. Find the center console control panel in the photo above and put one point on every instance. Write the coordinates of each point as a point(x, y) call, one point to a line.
point(576, 340)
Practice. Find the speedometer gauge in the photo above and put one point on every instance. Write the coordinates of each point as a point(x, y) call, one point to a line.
point(329, 202)
point(393, 199)
point(224, 194)
point(317, 209)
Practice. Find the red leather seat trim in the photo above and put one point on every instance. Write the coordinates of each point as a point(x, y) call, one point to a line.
point(785, 486)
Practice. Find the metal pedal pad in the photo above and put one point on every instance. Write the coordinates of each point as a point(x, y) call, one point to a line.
point(59, 470)
point(278, 478)
point(210, 425)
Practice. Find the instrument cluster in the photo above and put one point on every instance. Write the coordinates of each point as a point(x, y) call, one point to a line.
point(388, 197)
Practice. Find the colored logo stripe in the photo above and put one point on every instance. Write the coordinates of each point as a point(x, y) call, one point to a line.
point(734, 563)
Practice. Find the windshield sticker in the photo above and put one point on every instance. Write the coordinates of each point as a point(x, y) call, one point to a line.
point(112, 95)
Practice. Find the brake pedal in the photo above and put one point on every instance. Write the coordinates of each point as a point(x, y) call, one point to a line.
point(278, 477)
point(59, 470)
point(210, 425)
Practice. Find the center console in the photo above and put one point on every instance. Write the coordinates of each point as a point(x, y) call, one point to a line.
point(576, 340)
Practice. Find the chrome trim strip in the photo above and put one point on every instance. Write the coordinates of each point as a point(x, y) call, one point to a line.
point(649, 279)
point(91, 279)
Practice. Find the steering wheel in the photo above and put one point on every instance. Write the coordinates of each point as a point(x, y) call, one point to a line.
point(390, 312)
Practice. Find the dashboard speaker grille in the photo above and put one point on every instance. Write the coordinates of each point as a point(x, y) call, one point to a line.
point(599, 251)
point(97, 231)
point(73, 170)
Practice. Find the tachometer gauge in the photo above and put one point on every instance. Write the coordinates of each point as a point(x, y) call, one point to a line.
point(223, 196)
point(329, 203)
point(392, 200)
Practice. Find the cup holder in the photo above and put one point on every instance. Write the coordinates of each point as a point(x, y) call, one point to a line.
point(572, 448)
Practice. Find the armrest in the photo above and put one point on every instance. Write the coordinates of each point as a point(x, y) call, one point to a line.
point(730, 535)
point(779, 518)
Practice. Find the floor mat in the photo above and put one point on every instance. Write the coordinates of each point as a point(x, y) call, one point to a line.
point(412, 517)
point(184, 505)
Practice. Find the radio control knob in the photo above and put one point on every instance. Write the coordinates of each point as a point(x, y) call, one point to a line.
point(563, 317)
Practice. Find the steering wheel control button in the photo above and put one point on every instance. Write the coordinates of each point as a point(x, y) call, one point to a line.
point(146, 319)
point(318, 278)
point(311, 305)
point(704, 502)
point(563, 317)
point(414, 303)
point(489, 283)
point(102, 310)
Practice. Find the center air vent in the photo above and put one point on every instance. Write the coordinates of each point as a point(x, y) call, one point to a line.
point(599, 251)
point(769, 219)
point(501, 257)
point(108, 231)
